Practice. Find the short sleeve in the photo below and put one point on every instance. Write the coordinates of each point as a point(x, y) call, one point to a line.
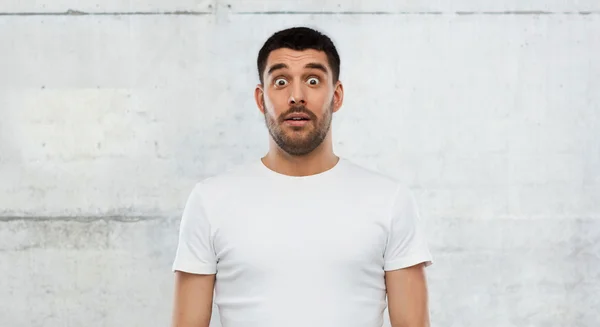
point(406, 245)
point(195, 251)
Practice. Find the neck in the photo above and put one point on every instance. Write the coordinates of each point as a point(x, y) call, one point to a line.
point(319, 160)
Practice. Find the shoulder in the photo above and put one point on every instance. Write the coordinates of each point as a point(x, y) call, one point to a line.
point(226, 180)
point(373, 180)
point(390, 192)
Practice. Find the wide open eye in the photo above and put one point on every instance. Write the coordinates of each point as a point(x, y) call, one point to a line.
point(280, 82)
point(313, 81)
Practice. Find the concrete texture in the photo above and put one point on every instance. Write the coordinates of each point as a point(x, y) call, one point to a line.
point(111, 111)
point(262, 6)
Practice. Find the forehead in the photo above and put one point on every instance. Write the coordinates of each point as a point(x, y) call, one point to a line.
point(295, 59)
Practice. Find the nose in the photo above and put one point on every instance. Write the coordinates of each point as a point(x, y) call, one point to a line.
point(296, 96)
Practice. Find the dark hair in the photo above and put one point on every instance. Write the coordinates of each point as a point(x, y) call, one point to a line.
point(300, 38)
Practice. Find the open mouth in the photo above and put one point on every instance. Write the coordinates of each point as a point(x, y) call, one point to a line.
point(297, 121)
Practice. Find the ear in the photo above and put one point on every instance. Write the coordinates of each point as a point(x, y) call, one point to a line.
point(338, 96)
point(258, 97)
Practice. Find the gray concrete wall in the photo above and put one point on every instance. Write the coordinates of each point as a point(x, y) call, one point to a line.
point(111, 111)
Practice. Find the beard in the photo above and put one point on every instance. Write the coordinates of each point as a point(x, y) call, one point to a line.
point(302, 140)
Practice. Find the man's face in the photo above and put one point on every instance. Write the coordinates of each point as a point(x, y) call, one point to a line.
point(298, 99)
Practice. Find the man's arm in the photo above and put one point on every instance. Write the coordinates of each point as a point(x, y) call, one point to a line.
point(407, 297)
point(193, 299)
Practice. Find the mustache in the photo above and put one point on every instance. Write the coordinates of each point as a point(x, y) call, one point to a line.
point(300, 110)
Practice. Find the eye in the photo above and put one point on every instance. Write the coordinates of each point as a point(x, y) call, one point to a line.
point(313, 81)
point(280, 82)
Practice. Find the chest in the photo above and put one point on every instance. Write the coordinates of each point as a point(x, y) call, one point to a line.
point(300, 235)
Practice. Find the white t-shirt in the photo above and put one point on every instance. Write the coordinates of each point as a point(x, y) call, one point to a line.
point(300, 251)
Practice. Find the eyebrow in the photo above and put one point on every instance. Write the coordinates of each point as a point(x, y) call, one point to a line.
point(311, 65)
point(276, 67)
point(316, 65)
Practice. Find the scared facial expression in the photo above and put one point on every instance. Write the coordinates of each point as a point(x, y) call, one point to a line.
point(298, 98)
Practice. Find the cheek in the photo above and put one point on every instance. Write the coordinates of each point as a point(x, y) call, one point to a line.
point(323, 101)
point(270, 108)
point(270, 101)
point(275, 104)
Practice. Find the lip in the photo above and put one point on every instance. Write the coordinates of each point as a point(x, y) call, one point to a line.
point(296, 122)
point(298, 115)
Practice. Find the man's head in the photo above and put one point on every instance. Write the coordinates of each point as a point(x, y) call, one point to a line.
point(299, 88)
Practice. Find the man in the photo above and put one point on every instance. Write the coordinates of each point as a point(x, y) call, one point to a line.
point(300, 237)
